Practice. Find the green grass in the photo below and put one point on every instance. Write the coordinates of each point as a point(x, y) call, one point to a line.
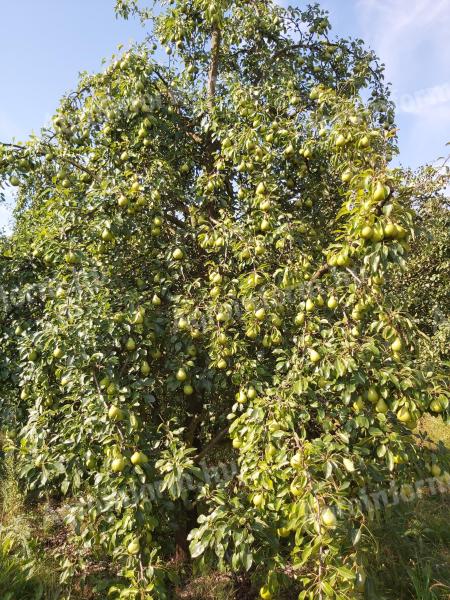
point(412, 560)
point(22, 580)
point(26, 572)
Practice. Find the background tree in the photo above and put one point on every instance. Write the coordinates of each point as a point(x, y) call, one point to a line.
point(424, 287)
point(210, 243)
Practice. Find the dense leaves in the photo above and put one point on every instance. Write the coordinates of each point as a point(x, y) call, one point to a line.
point(197, 277)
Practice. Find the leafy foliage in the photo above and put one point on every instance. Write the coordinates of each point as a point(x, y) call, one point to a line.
point(200, 258)
point(424, 287)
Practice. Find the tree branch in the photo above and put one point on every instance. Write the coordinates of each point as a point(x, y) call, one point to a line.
point(211, 444)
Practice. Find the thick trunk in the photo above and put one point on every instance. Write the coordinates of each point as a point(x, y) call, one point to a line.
point(181, 542)
point(186, 520)
point(214, 65)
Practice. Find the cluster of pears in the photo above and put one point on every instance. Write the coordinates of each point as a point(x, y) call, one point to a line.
point(119, 461)
point(378, 232)
point(404, 414)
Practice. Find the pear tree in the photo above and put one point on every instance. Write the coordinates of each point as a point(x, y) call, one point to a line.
point(198, 275)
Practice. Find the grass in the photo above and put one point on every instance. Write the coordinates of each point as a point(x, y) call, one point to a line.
point(437, 430)
point(412, 561)
point(22, 579)
point(26, 573)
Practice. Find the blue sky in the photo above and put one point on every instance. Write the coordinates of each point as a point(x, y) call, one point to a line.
point(45, 43)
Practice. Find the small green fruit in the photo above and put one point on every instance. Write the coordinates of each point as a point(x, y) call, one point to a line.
point(299, 319)
point(145, 368)
point(332, 303)
point(133, 547)
point(381, 406)
point(181, 375)
point(372, 394)
point(260, 314)
point(397, 345)
point(118, 465)
point(130, 345)
point(138, 458)
point(115, 413)
point(403, 414)
point(328, 518)
point(367, 232)
point(258, 500)
point(58, 353)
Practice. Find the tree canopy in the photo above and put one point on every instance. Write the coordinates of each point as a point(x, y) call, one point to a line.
point(197, 276)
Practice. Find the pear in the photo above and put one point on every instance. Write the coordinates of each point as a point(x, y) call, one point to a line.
point(364, 142)
point(358, 405)
point(138, 458)
point(390, 230)
point(403, 414)
point(380, 193)
point(367, 232)
point(265, 593)
point(130, 345)
point(328, 518)
point(118, 464)
point(258, 500)
point(145, 368)
point(397, 345)
point(133, 547)
point(381, 406)
point(378, 233)
point(265, 225)
point(332, 303)
point(182, 324)
point(283, 532)
point(436, 406)
point(299, 319)
point(261, 189)
point(115, 413)
point(32, 355)
point(314, 356)
point(346, 176)
point(260, 314)
point(309, 305)
point(251, 393)
point(181, 375)
point(372, 394)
